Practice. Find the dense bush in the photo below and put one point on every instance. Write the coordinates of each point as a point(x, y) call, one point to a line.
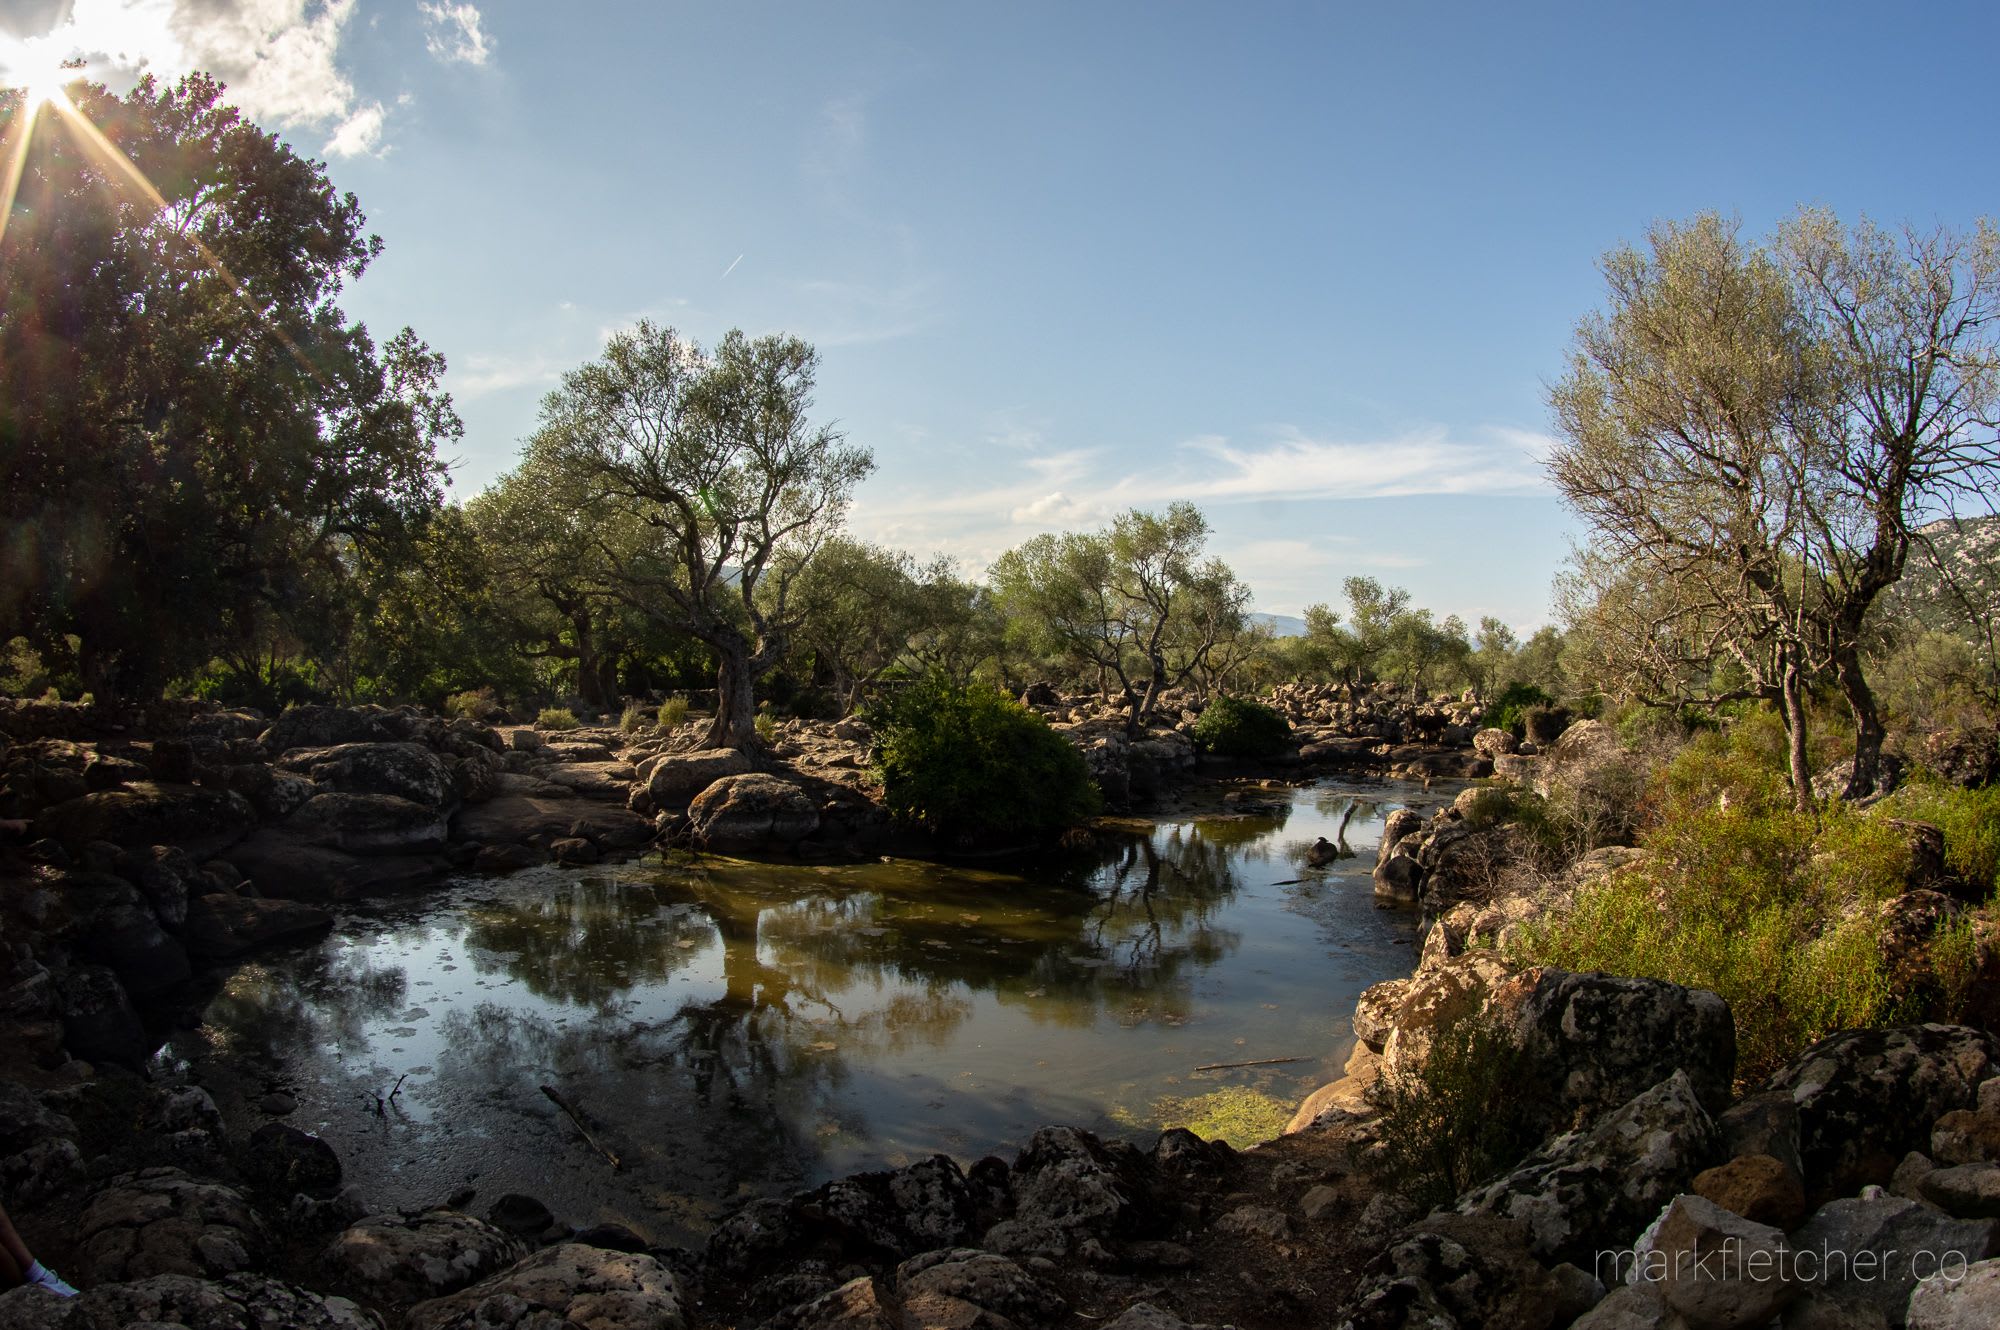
point(1774, 909)
point(557, 718)
point(1238, 727)
point(1516, 698)
point(633, 719)
point(672, 712)
point(970, 764)
point(1970, 820)
point(1456, 1120)
point(481, 704)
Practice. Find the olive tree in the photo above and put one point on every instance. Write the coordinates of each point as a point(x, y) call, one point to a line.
point(715, 457)
point(1753, 432)
point(1134, 602)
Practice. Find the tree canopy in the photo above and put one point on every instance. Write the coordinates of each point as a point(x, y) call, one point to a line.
point(714, 456)
point(1753, 431)
point(194, 440)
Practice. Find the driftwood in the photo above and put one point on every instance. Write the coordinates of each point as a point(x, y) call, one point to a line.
point(556, 1098)
point(1257, 1062)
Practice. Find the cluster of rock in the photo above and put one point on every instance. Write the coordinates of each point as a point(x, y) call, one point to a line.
point(1657, 1201)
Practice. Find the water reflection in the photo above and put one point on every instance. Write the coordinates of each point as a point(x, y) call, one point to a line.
point(729, 1028)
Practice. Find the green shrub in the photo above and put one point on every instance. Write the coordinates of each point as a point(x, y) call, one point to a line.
point(672, 712)
point(556, 718)
point(767, 727)
point(474, 704)
point(1970, 820)
point(1456, 1120)
point(1774, 909)
point(1239, 727)
point(969, 763)
point(1515, 698)
point(633, 719)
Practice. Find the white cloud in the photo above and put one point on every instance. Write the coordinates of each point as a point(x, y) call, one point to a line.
point(455, 33)
point(1025, 493)
point(279, 58)
point(359, 135)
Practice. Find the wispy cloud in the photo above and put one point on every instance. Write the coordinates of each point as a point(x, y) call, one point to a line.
point(1031, 492)
point(476, 375)
point(456, 33)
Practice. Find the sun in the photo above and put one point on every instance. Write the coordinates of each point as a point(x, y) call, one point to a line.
point(48, 86)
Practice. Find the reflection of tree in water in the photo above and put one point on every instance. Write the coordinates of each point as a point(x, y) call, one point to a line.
point(586, 942)
point(324, 998)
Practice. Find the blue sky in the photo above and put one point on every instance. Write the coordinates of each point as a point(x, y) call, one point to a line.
point(1309, 266)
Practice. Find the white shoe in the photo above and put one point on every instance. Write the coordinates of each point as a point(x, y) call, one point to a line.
point(50, 1280)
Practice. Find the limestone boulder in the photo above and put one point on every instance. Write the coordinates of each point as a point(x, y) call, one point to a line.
point(405, 770)
point(322, 727)
point(1970, 1302)
point(198, 819)
point(1595, 1040)
point(1584, 1186)
point(752, 812)
point(368, 824)
point(1715, 1268)
point(936, 1284)
point(1875, 1237)
point(183, 1302)
point(675, 779)
point(413, 1258)
point(566, 1285)
point(1866, 1098)
point(162, 1222)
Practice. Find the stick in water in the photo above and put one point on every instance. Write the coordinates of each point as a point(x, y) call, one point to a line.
point(1259, 1062)
point(556, 1098)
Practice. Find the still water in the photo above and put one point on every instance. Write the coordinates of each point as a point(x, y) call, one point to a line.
point(730, 1029)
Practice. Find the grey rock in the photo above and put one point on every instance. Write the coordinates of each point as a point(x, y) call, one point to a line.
point(675, 779)
point(1860, 1247)
point(986, 1280)
point(220, 926)
point(1631, 1307)
point(1718, 1270)
point(1610, 1179)
point(566, 1285)
point(752, 812)
point(160, 1221)
point(411, 1258)
point(201, 820)
point(1970, 1191)
point(1598, 1039)
point(1971, 1302)
point(1255, 1221)
point(404, 770)
point(1868, 1097)
point(368, 824)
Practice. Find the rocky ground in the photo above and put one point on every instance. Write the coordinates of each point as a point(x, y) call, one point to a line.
point(145, 857)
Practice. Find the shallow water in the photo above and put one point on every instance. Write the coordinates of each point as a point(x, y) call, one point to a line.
point(731, 1029)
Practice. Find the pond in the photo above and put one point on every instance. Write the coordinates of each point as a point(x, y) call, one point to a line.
point(729, 1029)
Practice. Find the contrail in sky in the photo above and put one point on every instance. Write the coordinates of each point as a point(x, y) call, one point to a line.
point(732, 265)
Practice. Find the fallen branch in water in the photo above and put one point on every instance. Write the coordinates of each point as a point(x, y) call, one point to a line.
point(555, 1097)
point(1258, 1062)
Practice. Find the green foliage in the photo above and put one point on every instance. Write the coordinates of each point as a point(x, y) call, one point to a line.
point(1506, 711)
point(557, 718)
point(672, 712)
point(969, 763)
point(1774, 909)
point(246, 443)
point(480, 704)
point(1239, 727)
point(1459, 1118)
point(767, 728)
point(632, 719)
point(1970, 820)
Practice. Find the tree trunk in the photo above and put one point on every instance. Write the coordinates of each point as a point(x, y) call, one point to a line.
point(1792, 692)
point(1868, 731)
point(735, 723)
